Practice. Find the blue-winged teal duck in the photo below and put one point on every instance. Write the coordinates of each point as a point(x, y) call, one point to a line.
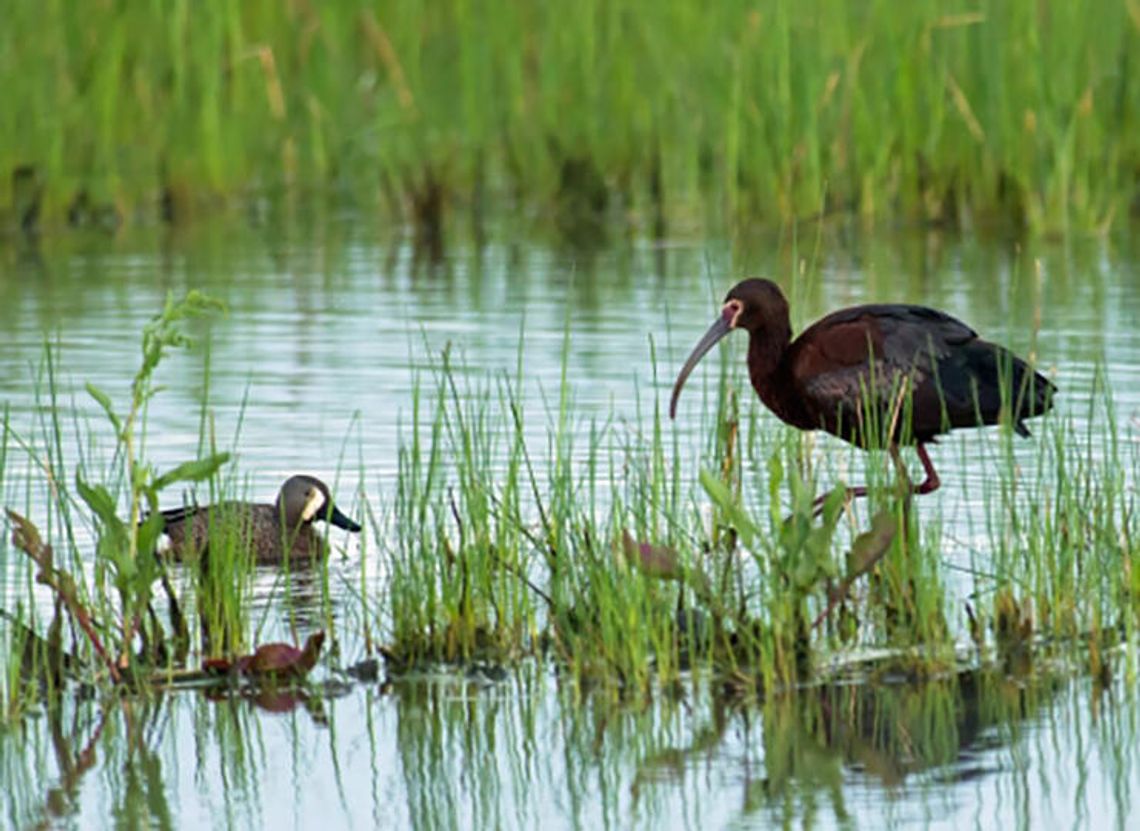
point(266, 529)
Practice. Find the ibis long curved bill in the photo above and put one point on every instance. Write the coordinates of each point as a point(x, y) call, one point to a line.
point(721, 327)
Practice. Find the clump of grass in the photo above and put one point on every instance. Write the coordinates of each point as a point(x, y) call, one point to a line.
point(458, 568)
point(625, 571)
point(1062, 537)
point(605, 551)
point(619, 556)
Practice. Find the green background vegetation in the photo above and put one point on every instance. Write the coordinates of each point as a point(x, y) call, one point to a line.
point(1012, 114)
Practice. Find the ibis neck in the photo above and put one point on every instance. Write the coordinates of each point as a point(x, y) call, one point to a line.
point(766, 348)
point(769, 373)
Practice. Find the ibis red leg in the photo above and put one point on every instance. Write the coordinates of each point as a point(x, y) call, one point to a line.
point(931, 483)
point(928, 485)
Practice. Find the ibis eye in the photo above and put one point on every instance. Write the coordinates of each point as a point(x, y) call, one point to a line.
point(731, 312)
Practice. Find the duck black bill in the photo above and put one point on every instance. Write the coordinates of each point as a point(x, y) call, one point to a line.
point(721, 327)
point(341, 521)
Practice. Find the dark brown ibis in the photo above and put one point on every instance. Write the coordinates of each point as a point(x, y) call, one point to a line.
point(877, 374)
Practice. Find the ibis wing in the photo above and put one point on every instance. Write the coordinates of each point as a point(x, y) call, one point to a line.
point(877, 361)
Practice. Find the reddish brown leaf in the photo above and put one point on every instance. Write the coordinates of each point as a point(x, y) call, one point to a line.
point(217, 666)
point(272, 659)
point(652, 560)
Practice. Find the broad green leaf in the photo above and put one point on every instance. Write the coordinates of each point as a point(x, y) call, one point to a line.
point(99, 500)
point(793, 532)
point(720, 494)
point(804, 573)
point(149, 531)
point(775, 479)
point(104, 401)
point(113, 549)
point(801, 496)
point(140, 474)
point(192, 471)
point(818, 542)
point(870, 546)
point(833, 506)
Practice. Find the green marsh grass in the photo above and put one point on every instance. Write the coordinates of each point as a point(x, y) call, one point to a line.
point(498, 547)
point(1016, 114)
point(611, 550)
point(619, 553)
point(76, 489)
point(1062, 536)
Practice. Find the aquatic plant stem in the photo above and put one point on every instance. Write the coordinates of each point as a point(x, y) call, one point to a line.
point(26, 537)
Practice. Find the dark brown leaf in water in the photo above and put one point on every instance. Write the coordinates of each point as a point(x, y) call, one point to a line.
point(26, 537)
point(273, 659)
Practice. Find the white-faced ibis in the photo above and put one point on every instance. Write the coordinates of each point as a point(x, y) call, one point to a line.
point(878, 373)
point(266, 529)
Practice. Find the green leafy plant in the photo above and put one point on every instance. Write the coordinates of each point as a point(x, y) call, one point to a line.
point(126, 548)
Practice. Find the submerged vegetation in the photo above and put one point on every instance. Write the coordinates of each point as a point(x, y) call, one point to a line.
point(606, 551)
point(1020, 114)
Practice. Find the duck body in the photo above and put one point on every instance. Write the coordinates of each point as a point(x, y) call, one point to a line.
point(272, 533)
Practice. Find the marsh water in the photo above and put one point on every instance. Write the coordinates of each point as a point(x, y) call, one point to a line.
point(332, 326)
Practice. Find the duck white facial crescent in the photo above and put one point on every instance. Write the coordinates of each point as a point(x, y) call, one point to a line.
point(313, 504)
